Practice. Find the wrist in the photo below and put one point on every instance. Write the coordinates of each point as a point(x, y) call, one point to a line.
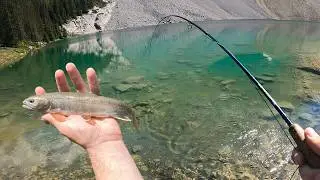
point(112, 160)
point(105, 146)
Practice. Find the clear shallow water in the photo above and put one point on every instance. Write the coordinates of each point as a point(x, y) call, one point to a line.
point(199, 115)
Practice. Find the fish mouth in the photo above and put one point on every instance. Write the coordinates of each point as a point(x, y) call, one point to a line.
point(27, 105)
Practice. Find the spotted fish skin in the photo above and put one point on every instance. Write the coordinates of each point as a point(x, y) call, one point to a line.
point(87, 104)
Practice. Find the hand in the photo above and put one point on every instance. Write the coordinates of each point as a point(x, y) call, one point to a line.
point(313, 140)
point(75, 127)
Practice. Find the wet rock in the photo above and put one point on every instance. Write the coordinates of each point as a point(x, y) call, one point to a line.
point(136, 148)
point(264, 79)
point(122, 87)
point(133, 80)
point(287, 106)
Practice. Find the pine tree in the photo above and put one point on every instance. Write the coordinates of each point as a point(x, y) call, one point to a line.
point(38, 20)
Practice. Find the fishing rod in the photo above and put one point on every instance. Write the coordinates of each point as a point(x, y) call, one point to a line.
point(296, 131)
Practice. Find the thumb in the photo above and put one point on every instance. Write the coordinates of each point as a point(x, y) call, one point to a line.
point(49, 118)
point(313, 140)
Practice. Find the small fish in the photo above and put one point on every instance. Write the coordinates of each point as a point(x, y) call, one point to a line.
point(90, 106)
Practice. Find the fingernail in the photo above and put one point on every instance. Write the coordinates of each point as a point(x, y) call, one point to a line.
point(69, 66)
point(310, 132)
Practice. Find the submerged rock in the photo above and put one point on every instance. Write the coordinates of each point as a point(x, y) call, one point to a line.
point(163, 76)
point(264, 78)
point(4, 114)
point(227, 82)
point(133, 80)
point(139, 86)
point(122, 87)
point(136, 148)
point(267, 115)
point(287, 106)
point(310, 70)
point(187, 62)
point(269, 75)
point(306, 117)
point(126, 87)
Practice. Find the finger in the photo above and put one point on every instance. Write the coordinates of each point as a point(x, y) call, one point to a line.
point(61, 81)
point(76, 77)
point(49, 118)
point(313, 140)
point(308, 173)
point(39, 90)
point(93, 81)
point(297, 157)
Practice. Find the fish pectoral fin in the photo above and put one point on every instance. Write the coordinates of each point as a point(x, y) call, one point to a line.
point(89, 119)
point(100, 118)
point(123, 119)
point(59, 117)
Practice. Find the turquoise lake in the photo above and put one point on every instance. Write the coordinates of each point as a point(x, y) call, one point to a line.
point(200, 117)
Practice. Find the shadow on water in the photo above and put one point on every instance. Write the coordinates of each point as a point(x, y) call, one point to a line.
point(199, 116)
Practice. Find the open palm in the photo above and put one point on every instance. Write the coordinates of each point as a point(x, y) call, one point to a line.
point(74, 126)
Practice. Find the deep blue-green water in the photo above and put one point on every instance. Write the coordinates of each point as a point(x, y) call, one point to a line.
point(200, 117)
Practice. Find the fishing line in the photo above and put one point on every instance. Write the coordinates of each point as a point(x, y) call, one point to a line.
point(294, 173)
point(275, 117)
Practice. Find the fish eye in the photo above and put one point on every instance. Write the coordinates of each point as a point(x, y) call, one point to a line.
point(31, 101)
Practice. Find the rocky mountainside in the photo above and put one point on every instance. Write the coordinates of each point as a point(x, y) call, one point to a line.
point(133, 13)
